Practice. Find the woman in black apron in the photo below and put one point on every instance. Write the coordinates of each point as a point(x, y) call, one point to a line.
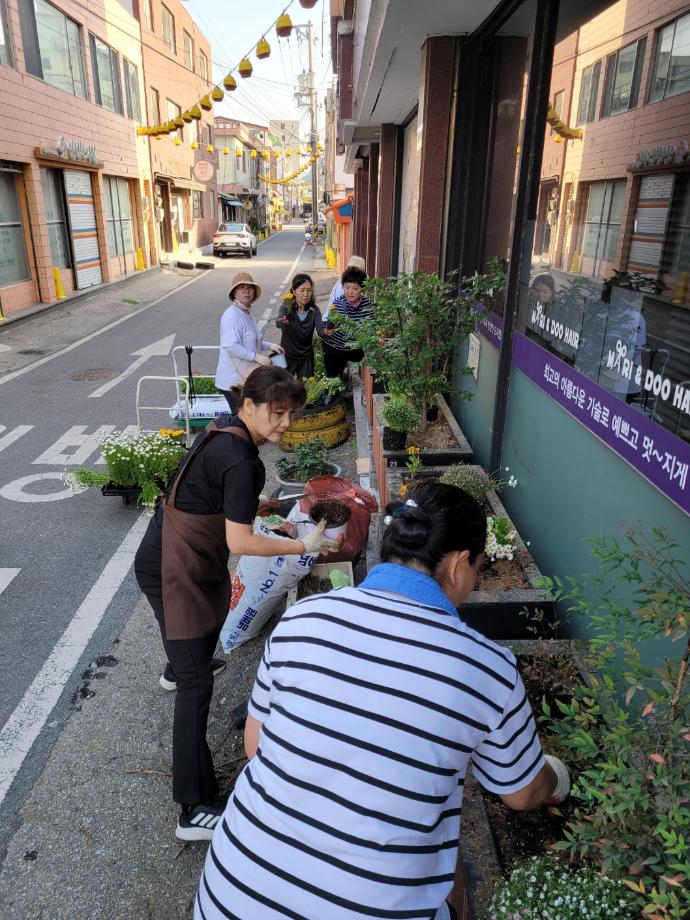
point(182, 568)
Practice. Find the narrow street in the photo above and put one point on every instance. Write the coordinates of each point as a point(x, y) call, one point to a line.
point(66, 585)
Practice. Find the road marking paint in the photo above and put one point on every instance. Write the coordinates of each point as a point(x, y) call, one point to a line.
point(13, 435)
point(58, 453)
point(156, 349)
point(5, 348)
point(6, 576)
point(26, 722)
point(15, 491)
point(123, 319)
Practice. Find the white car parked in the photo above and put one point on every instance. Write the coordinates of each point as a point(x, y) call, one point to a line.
point(234, 238)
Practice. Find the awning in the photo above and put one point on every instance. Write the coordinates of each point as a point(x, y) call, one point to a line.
point(230, 199)
point(188, 184)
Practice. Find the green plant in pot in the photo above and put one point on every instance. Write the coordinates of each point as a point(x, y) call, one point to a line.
point(401, 417)
point(417, 322)
point(310, 458)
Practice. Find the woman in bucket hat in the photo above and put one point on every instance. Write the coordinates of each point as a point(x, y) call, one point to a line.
point(240, 339)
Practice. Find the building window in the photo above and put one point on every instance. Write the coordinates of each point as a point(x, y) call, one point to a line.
point(589, 89)
point(106, 75)
point(197, 205)
point(14, 265)
point(147, 10)
point(54, 204)
point(52, 46)
point(622, 82)
point(168, 21)
point(188, 46)
point(155, 106)
point(131, 78)
point(5, 50)
point(603, 223)
point(671, 73)
point(676, 257)
point(173, 112)
point(203, 66)
point(118, 210)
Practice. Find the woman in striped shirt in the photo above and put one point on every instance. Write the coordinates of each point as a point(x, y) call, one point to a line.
point(355, 304)
point(368, 706)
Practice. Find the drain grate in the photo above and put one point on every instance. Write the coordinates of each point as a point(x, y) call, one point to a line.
point(95, 373)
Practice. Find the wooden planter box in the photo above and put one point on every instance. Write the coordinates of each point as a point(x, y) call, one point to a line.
point(496, 613)
point(461, 453)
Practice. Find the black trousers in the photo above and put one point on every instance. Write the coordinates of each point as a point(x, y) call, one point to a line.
point(335, 360)
point(301, 367)
point(194, 779)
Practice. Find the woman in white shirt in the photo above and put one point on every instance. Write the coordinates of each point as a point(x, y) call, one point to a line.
point(240, 338)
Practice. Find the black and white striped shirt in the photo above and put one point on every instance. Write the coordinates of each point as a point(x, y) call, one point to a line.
point(372, 705)
point(338, 338)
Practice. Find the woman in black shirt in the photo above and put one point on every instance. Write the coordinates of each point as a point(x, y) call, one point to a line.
point(297, 321)
point(182, 568)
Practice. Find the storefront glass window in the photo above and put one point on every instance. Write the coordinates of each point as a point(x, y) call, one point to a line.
point(14, 265)
point(58, 58)
point(672, 64)
point(118, 209)
point(54, 203)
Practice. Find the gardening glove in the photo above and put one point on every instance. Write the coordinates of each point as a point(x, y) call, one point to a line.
point(262, 359)
point(562, 790)
point(316, 544)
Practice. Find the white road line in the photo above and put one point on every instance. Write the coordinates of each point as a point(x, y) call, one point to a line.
point(5, 348)
point(13, 435)
point(123, 319)
point(83, 445)
point(6, 576)
point(159, 348)
point(25, 724)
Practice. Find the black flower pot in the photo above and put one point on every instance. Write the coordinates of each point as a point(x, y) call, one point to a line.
point(432, 413)
point(394, 440)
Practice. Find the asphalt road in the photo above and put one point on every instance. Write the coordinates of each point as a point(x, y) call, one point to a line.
point(66, 585)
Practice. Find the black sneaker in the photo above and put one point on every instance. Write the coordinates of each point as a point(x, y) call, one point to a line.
point(168, 681)
point(197, 822)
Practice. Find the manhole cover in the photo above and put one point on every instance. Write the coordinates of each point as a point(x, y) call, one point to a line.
point(95, 373)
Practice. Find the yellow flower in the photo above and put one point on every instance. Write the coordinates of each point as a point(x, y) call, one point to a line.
point(403, 489)
point(414, 450)
point(289, 296)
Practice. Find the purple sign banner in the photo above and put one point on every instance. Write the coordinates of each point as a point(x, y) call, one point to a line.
point(662, 458)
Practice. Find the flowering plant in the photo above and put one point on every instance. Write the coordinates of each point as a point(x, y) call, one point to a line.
point(414, 461)
point(545, 889)
point(146, 459)
point(288, 297)
point(320, 385)
point(500, 538)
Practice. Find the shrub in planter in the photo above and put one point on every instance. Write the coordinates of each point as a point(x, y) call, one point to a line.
point(472, 479)
point(628, 732)
point(400, 417)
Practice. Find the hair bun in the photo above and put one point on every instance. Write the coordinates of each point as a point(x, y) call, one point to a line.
point(410, 526)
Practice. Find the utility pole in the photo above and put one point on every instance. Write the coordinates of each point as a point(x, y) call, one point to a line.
point(313, 140)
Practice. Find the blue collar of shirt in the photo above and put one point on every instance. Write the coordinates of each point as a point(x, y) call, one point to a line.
point(401, 579)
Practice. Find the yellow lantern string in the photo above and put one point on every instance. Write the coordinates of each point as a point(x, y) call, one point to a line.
point(210, 148)
point(226, 150)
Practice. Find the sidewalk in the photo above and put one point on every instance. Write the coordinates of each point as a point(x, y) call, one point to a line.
point(97, 833)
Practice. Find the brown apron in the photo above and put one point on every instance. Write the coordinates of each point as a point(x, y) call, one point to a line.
point(195, 576)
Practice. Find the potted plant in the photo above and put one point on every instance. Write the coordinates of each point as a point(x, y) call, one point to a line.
point(138, 465)
point(400, 417)
point(309, 459)
point(417, 321)
point(336, 515)
point(324, 415)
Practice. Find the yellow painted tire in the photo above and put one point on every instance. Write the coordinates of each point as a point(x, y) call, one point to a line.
point(316, 419)
point(332, 435)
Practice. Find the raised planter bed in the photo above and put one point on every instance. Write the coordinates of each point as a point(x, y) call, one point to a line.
point(496, 611)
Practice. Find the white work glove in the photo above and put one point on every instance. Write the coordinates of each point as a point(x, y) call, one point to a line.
point(562, 790)
point(262, 359)
point(316, 543)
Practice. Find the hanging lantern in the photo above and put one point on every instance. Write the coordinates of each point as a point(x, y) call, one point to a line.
point(307, 4)
point(288, 153)
point(308, 149)
point(195, 145)
point(283, 25)
point(195, 112)
point(245, 68)
point(210, 148)
point(177, 142)
point(238, 151)
point(217, 94)
point(186, 117)
point(206, 103)
point(141, 131)
point(253, 154)
point(230, 83)
point(276, 153)
point(178, 122)
point(298, 152)
point(265, 154)
point(226, 151)
point(263, 49)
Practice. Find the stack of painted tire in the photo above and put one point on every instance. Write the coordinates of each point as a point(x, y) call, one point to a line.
point(329, 423)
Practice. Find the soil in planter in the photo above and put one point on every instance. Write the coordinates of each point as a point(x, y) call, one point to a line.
point(394, 440)
point(335, 513)
point(503, 574)
point(521, 834)
point(313, 585)
point(436, 437)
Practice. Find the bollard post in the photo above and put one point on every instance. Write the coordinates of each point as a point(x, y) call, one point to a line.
point(140, 260)
point(59, 289)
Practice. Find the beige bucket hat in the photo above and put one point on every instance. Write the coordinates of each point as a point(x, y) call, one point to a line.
point(243, 278)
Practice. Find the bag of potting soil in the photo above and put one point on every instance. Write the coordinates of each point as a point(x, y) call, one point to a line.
point(362, 505)
point(260, 584)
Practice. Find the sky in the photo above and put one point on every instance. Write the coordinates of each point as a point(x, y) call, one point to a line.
point(234, 27)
